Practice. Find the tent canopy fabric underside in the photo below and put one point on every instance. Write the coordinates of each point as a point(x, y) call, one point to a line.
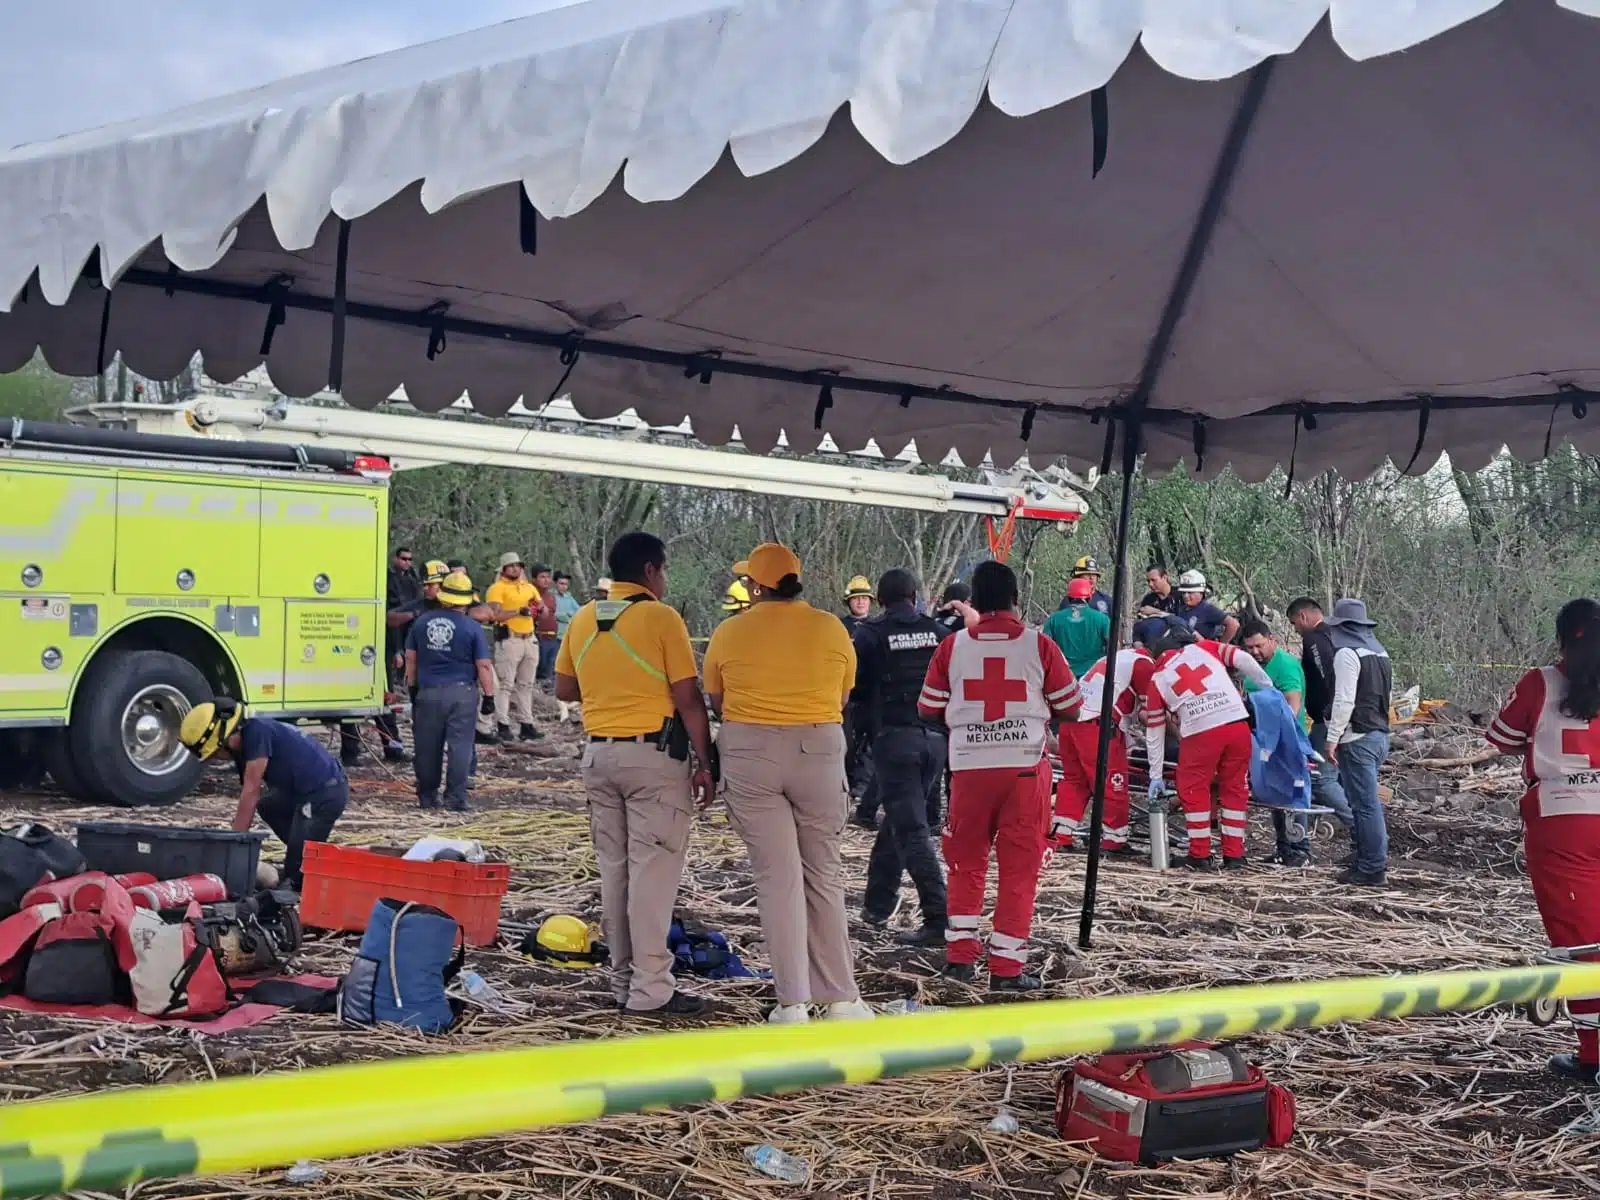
point(1404, 260)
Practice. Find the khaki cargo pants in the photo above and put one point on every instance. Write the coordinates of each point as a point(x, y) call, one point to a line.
point(515, 661)
point(787, 797)
point(640, 813)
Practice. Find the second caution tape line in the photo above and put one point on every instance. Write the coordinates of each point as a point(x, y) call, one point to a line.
point(110, 1140)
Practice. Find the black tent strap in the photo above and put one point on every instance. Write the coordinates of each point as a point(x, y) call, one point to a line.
point(436, 321)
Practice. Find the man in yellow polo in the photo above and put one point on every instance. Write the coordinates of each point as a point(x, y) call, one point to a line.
point(512, 600)
point(627, 659)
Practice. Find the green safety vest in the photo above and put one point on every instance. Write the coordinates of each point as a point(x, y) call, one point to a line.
point(606, 613)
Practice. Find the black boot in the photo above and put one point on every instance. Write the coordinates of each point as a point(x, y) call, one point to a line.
point(960, 972)
point(1236, 864)
point(504, 733)
point(396, 753)
point(1360, 878)
point(1193, 863)
point(1016, 983)
point(680, 1005)
point(927, 936)
point(1567, 1066)
point(486, 739)
point(528, 733)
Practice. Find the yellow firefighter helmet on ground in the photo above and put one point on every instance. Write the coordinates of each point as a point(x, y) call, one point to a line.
point(207, 725)
point(565, 941)
point(736, 598)
point(859, 585)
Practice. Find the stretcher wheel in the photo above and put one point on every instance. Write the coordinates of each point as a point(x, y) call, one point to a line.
point(1322, 829)
point(1544, 1011)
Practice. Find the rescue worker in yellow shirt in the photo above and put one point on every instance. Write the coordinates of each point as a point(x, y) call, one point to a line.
point(628, 660)
point(513, 600)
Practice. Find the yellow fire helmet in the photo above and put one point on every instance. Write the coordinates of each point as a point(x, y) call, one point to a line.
point(435, 571)
point(566, 941)
point(737, 597)
point(859, 585)
point(456, 590)
point(207, 725)
point(1086, 566)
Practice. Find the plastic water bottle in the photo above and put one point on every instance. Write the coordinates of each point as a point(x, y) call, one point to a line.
point(769, 1160)
point(481, 990)
point(1159, 851)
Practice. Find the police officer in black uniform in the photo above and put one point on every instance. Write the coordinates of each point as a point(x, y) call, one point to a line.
point(893, 650)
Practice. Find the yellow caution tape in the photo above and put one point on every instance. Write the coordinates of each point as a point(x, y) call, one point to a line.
point(111, 1140)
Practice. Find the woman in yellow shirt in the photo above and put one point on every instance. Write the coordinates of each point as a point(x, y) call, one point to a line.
point(779, 676)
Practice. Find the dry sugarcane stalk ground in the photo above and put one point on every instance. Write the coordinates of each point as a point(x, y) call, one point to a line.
point(1437, 1107)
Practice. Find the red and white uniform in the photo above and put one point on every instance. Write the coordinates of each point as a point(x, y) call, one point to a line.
point(1080, 745)
point(1213, 737)
point(1560, 820)
point(996, 685)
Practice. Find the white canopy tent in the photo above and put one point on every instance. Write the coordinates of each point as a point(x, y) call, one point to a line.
point(1249, 232)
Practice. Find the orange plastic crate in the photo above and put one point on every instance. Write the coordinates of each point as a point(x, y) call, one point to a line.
point(342, 884)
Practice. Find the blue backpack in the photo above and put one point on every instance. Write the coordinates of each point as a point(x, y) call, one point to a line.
point(408, 955)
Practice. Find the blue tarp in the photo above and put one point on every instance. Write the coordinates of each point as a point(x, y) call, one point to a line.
point(1280, 768)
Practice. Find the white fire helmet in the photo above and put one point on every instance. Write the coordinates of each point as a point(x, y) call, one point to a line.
point(1191, 581)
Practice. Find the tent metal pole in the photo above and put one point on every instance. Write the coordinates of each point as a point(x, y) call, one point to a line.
point(1131, 434)
point(1157, 354)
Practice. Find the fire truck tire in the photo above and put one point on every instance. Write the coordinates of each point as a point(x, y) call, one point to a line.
point(124, 730)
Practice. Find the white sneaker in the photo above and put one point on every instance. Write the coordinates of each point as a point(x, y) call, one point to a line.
point(790, 1014)
point(850, 1010)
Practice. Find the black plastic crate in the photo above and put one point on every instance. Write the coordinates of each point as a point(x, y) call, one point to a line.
point(171, 852)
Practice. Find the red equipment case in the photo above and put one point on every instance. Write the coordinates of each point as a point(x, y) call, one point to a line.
point(1114, 1102)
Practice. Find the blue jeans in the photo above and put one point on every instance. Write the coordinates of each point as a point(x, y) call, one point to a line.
point(1358, 772)
point(1325, 789)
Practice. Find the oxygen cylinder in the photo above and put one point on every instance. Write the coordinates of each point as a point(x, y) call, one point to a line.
point(81, 893)
point(1159, 851)
point(176, 893)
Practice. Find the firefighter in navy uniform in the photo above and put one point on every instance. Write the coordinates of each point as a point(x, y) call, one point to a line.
point(893, 651)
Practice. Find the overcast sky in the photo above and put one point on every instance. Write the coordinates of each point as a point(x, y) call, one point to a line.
point(67, 65)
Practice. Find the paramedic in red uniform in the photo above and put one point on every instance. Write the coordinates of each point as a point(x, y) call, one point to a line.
point(1190, 680)
point(1080, 746)
point(1553, 721)
point(996, 687)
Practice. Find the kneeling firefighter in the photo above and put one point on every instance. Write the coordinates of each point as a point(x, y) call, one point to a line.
point(893, 651)
point(296, 785)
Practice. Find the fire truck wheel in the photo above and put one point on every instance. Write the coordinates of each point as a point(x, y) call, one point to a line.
point(124, 731)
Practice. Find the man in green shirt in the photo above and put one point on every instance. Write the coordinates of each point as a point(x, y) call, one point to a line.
point(1081, 630)
point(1283, 668)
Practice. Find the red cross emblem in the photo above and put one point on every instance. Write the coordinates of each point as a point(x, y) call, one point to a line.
point(994, 689)
point(1583, 743)
point(1191, 679)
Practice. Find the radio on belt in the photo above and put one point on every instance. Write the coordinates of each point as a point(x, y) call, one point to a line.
point(1195, 1101)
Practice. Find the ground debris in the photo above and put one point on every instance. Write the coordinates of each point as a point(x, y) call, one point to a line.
point(1425, 1109)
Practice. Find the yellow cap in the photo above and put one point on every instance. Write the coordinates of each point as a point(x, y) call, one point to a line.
point(207, 725)
point(859, 585)
point(456, 590)
point(770, 562)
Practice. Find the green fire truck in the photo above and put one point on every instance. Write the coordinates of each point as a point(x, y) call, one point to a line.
point(141, 574)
